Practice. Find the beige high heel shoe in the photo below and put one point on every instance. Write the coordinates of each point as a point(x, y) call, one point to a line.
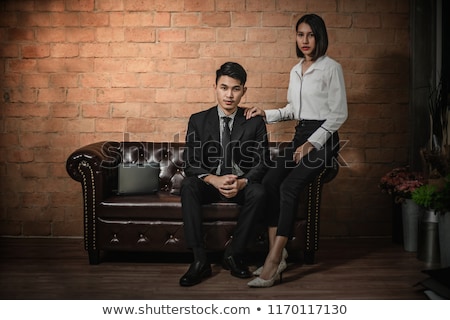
point(262, 283)
point(284, 256)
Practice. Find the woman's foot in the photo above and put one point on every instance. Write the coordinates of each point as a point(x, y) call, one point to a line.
point(284, 256)
point(260, 282)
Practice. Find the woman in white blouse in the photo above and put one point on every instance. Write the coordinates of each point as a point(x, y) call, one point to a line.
point(317, 99)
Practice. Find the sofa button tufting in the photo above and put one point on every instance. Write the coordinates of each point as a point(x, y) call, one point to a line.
point(142, 238)
point(172, 239)
point(114, 239)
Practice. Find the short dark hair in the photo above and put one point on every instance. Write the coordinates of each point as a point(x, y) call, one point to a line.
point(320, 35)
point(233, 70)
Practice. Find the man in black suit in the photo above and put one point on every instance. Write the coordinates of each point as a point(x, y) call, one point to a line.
point(223, 173)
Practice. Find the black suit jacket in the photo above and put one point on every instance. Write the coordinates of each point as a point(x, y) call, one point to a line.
point(249, 142)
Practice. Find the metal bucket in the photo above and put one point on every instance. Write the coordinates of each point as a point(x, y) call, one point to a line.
point(428, 239)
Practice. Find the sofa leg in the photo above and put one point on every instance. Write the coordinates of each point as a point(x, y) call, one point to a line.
point(309, 257)
point(94, 256)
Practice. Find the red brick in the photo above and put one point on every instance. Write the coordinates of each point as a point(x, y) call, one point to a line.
point(62, 50)
point(245, 19)
point(94, 19)
point(65, 19)
point(231, 5)
point(68, 140)
point(124, 50)
point(110, 125)
point(244, 50)
point(61, 229)
point(80, 126)
point(125, 110)
point(65, 80)
point(170, 66)
point(96, 110)
point(56, 6)
point(268, 5)
point(109, 65)
point(20, 155)
point(109, 34)
point(81, 94)
point(20, 34)
point(135, 125)
point(365, 20)
point(185, 19)
point(156, 81)
point(261, 35)
point(139, 94)
point(95, 80)
point(269, 50)
point(231, 34)
point(80, 35)
point(201, 35)
point(185, 50)
point(216, 19)
point(22, 66)
point(185, 81)
point(34, 170)
point(51, 65)
point(9, 51)
point(276, 19)
point(124, 80)
point(34, 19)
point(220, 50)
point(172, 35)
point(36, 228)
point(33, 140)
point(201, 5)
point(110, 95)
point(51, 95)
point(35, 80)
point(293, 6)
point(109, 5)
point(140, 34)
point(76, 5)
point(65, 110)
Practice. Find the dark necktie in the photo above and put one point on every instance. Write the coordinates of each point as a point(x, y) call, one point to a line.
point(226, 147)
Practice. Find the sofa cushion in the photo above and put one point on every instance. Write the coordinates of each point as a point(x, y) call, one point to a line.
point(162, 205)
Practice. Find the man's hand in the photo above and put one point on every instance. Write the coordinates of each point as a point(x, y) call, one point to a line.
point(253, 111)
point(228, 185)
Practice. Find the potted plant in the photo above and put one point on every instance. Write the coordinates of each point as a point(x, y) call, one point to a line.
point(400, 183)
point(443, 215)
point(427, 196)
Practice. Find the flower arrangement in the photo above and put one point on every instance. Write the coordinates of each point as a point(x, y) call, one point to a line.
point(401, 182)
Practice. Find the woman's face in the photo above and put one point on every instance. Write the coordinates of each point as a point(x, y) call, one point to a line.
point(306, 41)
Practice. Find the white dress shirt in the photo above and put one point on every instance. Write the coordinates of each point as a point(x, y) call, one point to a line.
point(319, 94)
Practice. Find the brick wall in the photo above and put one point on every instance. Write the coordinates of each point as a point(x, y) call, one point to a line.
point(74, 72)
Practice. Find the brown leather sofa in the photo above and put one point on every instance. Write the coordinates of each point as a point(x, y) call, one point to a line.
point(154, 222)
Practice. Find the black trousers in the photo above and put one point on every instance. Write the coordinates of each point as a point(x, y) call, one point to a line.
point(195, 192)
point(285, 179)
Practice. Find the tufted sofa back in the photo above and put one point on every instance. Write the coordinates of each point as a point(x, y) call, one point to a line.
point(169, 155)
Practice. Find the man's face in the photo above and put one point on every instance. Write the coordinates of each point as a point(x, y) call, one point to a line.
point(229, 92)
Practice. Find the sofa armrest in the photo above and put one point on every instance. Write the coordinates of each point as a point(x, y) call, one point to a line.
point(96, 155)
point(95, 167)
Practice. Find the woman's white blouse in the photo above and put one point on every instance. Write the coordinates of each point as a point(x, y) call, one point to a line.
point(319, 94)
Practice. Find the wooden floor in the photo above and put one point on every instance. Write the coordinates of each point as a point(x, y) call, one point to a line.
point(348, 269)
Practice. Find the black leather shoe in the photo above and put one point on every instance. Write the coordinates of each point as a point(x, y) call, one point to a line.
point(236, 266)
point(196, 272)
